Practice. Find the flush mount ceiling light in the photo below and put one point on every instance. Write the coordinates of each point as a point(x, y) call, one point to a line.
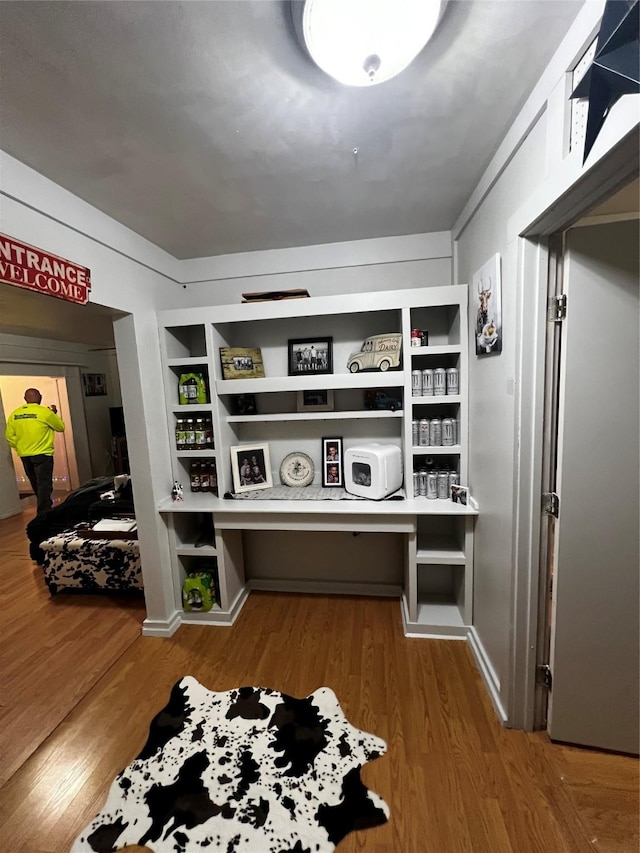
point(365, 42)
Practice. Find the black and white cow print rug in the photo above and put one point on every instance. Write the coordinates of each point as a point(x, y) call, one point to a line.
point(244, 771)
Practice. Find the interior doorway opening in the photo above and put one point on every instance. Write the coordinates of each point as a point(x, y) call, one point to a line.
point(54, 391)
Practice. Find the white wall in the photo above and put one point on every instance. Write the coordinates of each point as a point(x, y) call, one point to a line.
point(529, 174)
point(389, 263)
point(491, 406)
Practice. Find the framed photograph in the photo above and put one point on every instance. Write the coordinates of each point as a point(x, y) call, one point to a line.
point(486, 287)
point(241, 363)
point(251, 467)
point(243, 404)
point(314, 401)
point(310, 356)
point(332, 462)
point(95, 384)
point(460, 494)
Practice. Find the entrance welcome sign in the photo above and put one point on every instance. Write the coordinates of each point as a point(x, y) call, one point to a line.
point(25, 266)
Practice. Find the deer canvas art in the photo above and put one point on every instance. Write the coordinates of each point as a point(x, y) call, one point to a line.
point(486, 289)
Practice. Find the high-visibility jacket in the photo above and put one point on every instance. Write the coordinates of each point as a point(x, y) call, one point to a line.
point(30, 429)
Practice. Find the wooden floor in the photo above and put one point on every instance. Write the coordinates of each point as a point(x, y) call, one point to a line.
point(80, 686)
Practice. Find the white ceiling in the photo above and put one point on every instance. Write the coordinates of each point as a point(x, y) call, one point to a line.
point(204, 127)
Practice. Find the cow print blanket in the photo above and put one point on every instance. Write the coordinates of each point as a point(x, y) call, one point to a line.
point(244, 771)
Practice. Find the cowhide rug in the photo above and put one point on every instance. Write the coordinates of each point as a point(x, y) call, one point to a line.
point(245, 771)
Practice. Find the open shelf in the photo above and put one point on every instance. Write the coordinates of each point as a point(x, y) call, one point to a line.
point(314, 416)
point(440, 551)
point(374, 379)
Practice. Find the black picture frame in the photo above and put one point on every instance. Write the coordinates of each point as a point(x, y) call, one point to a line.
point(244, 404)
point(332, 462)
point(310, 356)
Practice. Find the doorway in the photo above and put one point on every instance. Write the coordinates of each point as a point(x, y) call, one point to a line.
point(54, 391)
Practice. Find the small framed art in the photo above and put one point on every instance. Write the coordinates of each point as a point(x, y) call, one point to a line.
point(244, 404)
point(459, 494)
point(251, 467)
point(310, 356)
point(332, 462)
point(241, 363)
point(314, 401)
point(95, 384)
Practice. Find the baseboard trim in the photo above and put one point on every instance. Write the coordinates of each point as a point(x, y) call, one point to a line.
point(325, 587)
point(10, 513)
point(488, 674)
point(161, 627)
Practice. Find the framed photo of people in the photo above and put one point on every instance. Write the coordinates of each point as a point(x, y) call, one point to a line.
point(250, 467)
point(314, 401)
point(332, 470)
point(310, 356)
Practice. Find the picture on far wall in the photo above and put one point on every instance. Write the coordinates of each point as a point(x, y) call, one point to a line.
point(95, 384)
point(486, 287)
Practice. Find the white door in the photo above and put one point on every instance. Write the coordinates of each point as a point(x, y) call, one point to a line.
point(594, 634)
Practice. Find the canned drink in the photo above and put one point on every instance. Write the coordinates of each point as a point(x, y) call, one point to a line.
point(439, 382)
point(424, 434)
point(427, 382)
point(415, 433)
point(416, 337)
point(448, 438)
point(456, 431)
point(416, 484)
point(423, 474)
point(432, 486)
point(435, 432)
point(453, 480)
point(443, 485)
point(416, 383)
point(453, 386)
point(425, 338)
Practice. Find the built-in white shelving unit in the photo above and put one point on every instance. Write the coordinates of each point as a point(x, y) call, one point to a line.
point(438, 534)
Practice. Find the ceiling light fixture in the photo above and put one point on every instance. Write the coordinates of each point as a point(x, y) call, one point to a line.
point(365, 42)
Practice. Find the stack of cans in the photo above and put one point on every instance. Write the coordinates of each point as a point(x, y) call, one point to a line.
point(434, 484)
point(435, 382)
point(434, 432)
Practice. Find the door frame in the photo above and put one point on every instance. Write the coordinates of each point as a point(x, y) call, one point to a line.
point(532, 230)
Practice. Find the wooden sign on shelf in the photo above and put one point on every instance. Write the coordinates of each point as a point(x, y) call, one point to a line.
point(274, 295)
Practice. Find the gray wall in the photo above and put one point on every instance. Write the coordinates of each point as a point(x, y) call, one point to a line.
point(491, 402)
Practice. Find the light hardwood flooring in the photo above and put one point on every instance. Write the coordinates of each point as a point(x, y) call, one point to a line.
point(80, 685)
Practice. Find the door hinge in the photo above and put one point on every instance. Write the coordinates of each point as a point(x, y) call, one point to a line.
point(551, 504)
point(557, 310)
point(543, 676)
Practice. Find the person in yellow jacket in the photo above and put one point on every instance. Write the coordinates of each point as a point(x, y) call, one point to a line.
point(30, 430)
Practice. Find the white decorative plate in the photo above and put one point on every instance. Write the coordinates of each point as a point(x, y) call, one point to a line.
point(297, 469)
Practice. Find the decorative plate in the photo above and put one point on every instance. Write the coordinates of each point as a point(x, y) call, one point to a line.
point(297, 469)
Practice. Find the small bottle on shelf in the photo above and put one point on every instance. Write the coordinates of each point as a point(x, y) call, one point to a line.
point(180, 434)
point(205, 485)
point(208, 428)
point(194, 476)
point(200, 434)
point(213, 477)
point(190, 435)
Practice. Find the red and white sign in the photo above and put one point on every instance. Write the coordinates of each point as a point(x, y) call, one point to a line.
point(25, 266)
